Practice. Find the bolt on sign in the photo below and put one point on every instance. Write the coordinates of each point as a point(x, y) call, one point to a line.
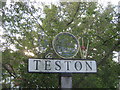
point(61, 66)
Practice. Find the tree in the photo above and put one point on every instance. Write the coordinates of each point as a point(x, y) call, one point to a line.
point(32, 30)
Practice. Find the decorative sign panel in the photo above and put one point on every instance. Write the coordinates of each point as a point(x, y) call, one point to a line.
point(61, 66)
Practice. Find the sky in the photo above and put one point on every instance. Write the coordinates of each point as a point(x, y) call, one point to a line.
point(115, 2)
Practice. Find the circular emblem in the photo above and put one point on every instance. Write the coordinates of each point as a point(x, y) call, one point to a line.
point(65, 45)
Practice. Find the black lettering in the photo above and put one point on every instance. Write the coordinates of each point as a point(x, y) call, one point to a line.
point(57, 63)
point(36, 64)
point(68, 65)
point(88, 65)
point(78, 63)
point(47, 65)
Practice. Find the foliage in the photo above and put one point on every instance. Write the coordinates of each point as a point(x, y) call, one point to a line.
point(32, 30)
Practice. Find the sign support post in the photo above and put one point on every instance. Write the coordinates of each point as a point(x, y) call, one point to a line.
point(66, 81)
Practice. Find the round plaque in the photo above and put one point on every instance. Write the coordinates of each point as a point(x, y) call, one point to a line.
point(65, 45)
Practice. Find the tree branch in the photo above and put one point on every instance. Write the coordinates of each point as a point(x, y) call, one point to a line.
point(103, 60)
point(74, 15)
point(39, 25)
point(110, 39)
point(36, 19)
point(10, 70)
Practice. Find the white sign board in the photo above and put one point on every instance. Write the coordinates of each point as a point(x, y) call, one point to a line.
point(61, 66)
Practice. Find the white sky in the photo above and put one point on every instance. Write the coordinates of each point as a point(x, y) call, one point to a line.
point(115, 2)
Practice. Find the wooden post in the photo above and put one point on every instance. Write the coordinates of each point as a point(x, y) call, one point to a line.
point(66, 81)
